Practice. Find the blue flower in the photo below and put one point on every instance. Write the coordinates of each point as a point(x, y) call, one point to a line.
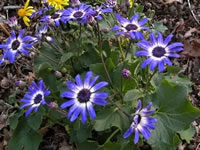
point(142, 122)
point(83, 96)
point(131, 28)
point(78, 14)
point(35, 97)
point(99, 11)
point(17, 44)
point(158, 51)
point(111, 3)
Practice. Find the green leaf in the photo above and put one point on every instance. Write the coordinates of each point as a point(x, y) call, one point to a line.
point(112, 146)
point(133, 95)
point(13, 120)
point(35, 119)
point(108, 118)
point(24, 137)
point(187, 134)
point(88, 145)
point(66, 57)
point(174, 113)
point(159, 27)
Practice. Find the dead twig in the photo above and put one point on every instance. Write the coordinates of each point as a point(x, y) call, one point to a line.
point(192, 12)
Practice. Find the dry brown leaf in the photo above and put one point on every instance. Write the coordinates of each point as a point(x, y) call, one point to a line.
point(171, 1)
point(191, 49)
point(191, 30)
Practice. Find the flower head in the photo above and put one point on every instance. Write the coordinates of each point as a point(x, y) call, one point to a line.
point(79, 13)
point(126, 73)
point(35, 97)
point(83, 96)
point(12, 22)
point(158, 51)
point(142, 122)
point(131, 28)
point(58, 4)
point(111, 3)
point(99, 11)
point(17, 44)
point(26, 12)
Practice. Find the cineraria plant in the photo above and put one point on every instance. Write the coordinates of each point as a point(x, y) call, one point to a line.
point(88, 63)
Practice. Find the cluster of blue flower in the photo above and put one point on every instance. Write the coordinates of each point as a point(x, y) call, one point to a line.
point(83, 95)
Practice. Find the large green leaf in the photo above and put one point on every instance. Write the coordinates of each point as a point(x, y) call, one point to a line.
point(24, 137)
point(174, 114)
point(108, 118)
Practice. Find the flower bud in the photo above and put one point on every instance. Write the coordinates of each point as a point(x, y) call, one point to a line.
point(49, 39)
point(58, 74)
point(20, 83)
point(75, 3)
point(53, 105)
point(126, 73)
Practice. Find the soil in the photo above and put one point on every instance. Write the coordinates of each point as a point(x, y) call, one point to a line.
point(176, 16)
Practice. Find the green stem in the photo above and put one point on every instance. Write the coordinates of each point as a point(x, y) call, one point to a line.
point(121, 51)
point(111, 136)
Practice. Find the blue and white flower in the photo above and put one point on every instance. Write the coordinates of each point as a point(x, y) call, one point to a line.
point(130, 28)
point(77, 14)
point(142, 122)
point(111, 3)
point(17, 44)
point(158, 51)
point(99, 10)
point(82, 96)
point(35, 97)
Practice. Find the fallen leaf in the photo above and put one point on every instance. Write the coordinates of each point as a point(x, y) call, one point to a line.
point(191, 30)
point(191, 49)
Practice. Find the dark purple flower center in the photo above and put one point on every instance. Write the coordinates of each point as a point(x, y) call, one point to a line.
point(15, 45)
point(78, 14)
point(139, 118)
point(38, 98)
point(55, 16)
point(158, 51)
point(84, 96)
point(130, 27)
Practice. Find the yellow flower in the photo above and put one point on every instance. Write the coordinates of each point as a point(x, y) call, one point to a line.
point(26, 12)
point(131, 3)
point(58, 4)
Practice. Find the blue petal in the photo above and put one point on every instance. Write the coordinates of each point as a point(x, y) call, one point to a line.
point(161, 66)
point(144, 44)
point(153, 64)
point(136, 138)
point(167, 61)
point(21, 33)
point(25, 100)
point(99, 101)
point(47, 92)
point(176, 44)
point(91, 110)
point(28, 38)
point(28, 111)
point(174, 55)
point(25, 105)
point(176, 49)
point(139, 105)
point(153, 38)
point(116, 27)
point(102, 95)
point(13, 34)
point(87, 79)
point(98, 86)
point(168, 39)
point(71, 110)
point(143, 21)
point(41, 85)
point(121, 19)
point(67, 104)
point(71, 86)
point(134, 18)
point(93, 81)
point(160, 38)
point(68, 94)
point(24, 51)
point(78, 80)
point(83, 115)
point(146, 62)
point(128, 132)
point(75, 114)
point(142, 53)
